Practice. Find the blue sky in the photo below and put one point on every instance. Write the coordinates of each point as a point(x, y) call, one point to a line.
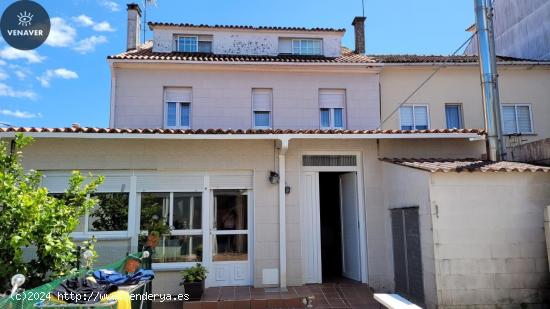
point(67, 79)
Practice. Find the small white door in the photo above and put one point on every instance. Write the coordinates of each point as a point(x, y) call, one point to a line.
point(311, 228)
point(351, 265)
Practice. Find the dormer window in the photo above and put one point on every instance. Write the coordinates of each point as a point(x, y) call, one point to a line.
point(194, 43)
point(307, 47)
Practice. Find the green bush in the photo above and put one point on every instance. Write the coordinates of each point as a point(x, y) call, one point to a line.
point(31, 218)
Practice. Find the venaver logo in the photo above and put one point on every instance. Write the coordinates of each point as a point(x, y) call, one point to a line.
point(25, 25)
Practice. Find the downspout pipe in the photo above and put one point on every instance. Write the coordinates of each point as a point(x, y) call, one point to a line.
point(489, 79)
point(282, 213)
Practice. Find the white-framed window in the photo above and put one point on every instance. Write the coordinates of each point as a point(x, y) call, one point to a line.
point(194, 44)
point(332, 108)
point(307, 46)
point(183, 212)
point(453, 116)
point(109, 217)
point(517, 118)
point(177, 108)
point(414, 117)
point(261, 108)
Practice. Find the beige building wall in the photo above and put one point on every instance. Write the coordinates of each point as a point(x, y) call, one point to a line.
point(461, 84)
point(222, 95)
point(411, 188)
point(489, 238)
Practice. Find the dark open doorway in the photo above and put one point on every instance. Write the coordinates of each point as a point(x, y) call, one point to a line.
point(340, 253)
point(331, 229)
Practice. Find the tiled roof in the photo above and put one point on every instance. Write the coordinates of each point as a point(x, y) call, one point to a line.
point(145, 52)
point(229, 131)
point(470, 165)
point(187, 25)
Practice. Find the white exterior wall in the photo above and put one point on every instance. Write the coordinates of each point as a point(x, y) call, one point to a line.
point(489, 238)
point(244, 42)
point(404, 187)
point(222, 97)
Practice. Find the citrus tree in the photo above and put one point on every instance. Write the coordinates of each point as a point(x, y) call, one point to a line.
point(35, 222)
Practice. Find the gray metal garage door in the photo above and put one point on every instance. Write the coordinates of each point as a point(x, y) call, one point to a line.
point(407, 255)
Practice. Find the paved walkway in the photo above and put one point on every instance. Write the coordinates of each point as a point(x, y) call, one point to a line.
point(341, 293)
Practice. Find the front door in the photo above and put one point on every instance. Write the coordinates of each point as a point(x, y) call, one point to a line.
point(230, 241)
point(351, 265)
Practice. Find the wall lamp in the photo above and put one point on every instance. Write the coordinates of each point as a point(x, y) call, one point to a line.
point(273, 178)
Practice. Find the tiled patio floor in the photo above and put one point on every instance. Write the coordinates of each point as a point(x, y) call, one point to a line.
point(336, 294)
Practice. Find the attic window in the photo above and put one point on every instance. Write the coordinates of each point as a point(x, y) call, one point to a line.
point(307, 47)
point(194, 44)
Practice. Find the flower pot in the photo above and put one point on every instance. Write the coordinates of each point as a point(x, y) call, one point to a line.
point(194, 290)
point(132, 265)
point(152, 240)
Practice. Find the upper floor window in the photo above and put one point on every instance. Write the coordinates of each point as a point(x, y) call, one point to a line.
point(517, 118)
point(261, 108)
point(194, 43)
point(307, 47)
point(453, 116)
point(414, 117)
point(177, 108)
point(332, 103)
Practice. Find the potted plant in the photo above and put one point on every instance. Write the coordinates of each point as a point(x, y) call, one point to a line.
point(155, 229)
point(193, 281)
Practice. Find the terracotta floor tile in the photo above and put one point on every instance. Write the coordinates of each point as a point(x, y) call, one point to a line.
point(208, 305)
point(258, 303)
point(193, 305)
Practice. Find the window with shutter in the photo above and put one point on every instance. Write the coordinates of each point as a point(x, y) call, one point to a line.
point(177, 107)
point(261, 107)
point(414, 117)
point(332, 108)
point(516, 118)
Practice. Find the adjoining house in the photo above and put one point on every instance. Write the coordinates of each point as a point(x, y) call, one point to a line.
point(262, 147)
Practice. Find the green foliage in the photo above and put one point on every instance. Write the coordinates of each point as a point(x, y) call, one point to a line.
point(88, 248)
point(111, 213)
point(196, 273)
point(32, 219)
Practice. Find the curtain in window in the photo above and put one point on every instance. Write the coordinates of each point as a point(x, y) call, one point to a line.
point(421, 117)
point(338, 118)
point(325, 117)
point(184, 115)
point(171, 114)
point(452, 114)
point(509, 119)
point(406, 113)
point(524, 119)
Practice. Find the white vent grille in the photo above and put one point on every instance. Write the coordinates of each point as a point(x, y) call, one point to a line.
point(329, 160)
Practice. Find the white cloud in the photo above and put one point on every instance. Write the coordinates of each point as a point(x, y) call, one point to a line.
point(89, 44)
point(7, 91)
point(87, 21)
point(111, 5)
point(103, 27)
point(61, 33)
point(3, 75)
point(11, 53)
point(20, 74)
point(57, 73)
point(83, 20)
point(19, 114)
point(2, 62)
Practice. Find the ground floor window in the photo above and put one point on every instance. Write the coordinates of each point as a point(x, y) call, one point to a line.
point(183, 213)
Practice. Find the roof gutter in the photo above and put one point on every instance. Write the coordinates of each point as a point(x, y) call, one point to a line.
point(152, 136)
point(444, 64)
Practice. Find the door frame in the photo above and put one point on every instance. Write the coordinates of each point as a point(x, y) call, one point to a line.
point(306, 228)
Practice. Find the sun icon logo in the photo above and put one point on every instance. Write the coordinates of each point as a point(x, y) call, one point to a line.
point(25, 18)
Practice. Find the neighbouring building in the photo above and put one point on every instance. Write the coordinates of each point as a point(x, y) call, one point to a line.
point(268, 151)
point(522, 29)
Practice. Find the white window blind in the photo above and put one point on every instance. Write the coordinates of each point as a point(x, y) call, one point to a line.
point(178, 95)
point(414, 117)
point(333, 98)
point(261, 100)
point(516, 118)
point(421, 117)
point(406, 114)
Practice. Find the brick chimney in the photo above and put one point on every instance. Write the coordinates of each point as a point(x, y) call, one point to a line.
point(359, 28)
point(134, 26)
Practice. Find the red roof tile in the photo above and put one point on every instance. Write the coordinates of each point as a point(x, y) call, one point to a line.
point(470, 165)
point(229, 131)
point(145, 52)
point(188, 25)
